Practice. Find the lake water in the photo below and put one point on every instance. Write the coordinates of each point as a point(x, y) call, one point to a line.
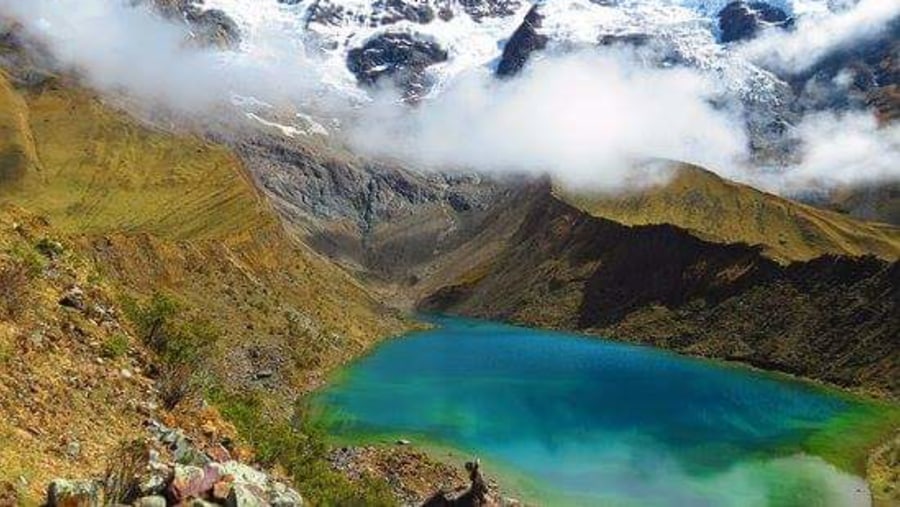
point(568, 420)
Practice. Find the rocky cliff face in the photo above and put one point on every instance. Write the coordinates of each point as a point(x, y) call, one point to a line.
point(742, 20)
point(524, 41)
point(401, 57)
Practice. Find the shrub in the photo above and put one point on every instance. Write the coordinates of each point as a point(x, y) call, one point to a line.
point(15, 295)
point(123, 468)
point(115, 346)
point(300, 447)
point(49, 248)
point(178, 342)
point(175, 383)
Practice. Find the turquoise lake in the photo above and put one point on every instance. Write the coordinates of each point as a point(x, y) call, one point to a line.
point(569, 420)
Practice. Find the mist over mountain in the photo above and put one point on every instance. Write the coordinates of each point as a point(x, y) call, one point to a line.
point(611, 83)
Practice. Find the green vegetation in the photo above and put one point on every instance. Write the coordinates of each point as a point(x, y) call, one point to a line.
point(300, 447)
point(178, 340)
point(849, 439)
point(722, 211)
point(101, 171)
point(115, 346)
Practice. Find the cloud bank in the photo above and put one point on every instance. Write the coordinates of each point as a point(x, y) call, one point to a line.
point(588, 118)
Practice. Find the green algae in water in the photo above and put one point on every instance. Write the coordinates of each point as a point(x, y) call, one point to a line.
point(583, 421)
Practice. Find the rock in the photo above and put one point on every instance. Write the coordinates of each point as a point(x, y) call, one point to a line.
point(244, 495)
point(222, 489)
point(743, 20)
point(400, 57)
point(150, 501)
point(154, 480)
point(241, 473)
point(283, 496)
point(264, 374)
point(73, 449)
point(479, 9)
point(73, 298)
point(524, 41)
point(192, 482)
point(65, 493)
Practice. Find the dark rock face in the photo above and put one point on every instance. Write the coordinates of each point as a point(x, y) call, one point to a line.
point(742, 20)
point(383, 218)
point(524, 41)
point(479, 9)
point(391, 11)
point(401, 57)
point(209, 27)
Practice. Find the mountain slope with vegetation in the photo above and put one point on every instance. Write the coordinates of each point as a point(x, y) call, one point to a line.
point(831, 318)
point(728, 212)
point(165, 227)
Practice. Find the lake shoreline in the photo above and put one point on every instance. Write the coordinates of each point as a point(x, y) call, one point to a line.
point(875, 437)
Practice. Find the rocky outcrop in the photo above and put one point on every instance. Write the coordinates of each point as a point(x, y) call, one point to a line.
point(476, 495)
point(208, 27)
point(524, 41)
point(742, 20)
point(168, 470)
point(64, 493)
point(400, 57)
point(479, 9)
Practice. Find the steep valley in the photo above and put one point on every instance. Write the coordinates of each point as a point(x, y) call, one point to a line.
point(209, 278)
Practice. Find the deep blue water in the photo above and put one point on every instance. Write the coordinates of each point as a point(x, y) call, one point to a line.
point(577, 420)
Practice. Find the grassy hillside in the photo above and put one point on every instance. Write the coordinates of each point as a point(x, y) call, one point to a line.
point(100, 171)
point(173, 212)
point(17, 151)
point(723, 211)
point(168, 221)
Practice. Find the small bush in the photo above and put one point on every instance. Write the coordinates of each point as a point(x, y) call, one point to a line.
point(175, 383)
point(115, 346)
point(33, 262)
point(15, 294)
point(49, 248)
point(123, 469)
point(300, 447)
point(179, 343)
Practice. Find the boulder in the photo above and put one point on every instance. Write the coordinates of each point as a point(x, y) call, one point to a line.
point(66, 493)
point(73, 298)
point(150, 501)
point(283, 496)
point(154, 480)
point(245, 495)
point(192, 482)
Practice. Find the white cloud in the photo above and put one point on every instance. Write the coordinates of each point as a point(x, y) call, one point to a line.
point(816, 35)
point(588, 118)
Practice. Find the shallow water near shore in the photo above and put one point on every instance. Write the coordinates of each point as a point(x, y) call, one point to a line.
point(583, 421)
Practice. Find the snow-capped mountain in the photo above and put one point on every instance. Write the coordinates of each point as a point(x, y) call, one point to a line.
point(421, 46)
point(449, 37)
